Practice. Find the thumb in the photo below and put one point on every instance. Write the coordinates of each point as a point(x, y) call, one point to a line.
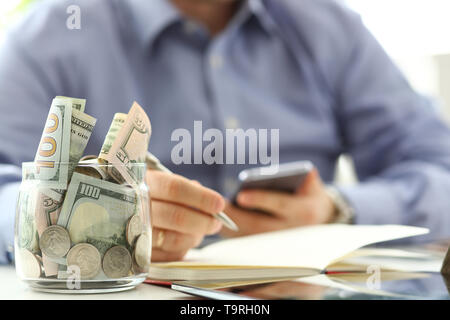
point(312, 184)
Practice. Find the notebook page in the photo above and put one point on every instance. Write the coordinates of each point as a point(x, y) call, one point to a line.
point(310, 247)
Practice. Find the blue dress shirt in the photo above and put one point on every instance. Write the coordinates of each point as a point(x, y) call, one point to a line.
point(307, 67)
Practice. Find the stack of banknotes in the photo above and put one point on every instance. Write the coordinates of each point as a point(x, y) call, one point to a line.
point(85, 213)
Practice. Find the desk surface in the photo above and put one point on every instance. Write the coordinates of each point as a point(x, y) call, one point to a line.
point(431, 287)
point(13, 289)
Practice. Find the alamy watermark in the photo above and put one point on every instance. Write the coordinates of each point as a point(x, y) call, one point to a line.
point(73, 21)
point(73, 281)
point(373, 282)
point(230, 148)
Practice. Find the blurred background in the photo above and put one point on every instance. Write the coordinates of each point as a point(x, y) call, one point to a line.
point(11, 11)
point(413, 32)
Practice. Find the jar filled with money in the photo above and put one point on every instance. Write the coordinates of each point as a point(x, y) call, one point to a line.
point(83, 227)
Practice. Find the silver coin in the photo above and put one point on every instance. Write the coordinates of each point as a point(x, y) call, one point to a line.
point(86, 257)
point(88, 157)
point(117, 262)
point(134, 229)
point(93, 168)
point(142, 251)
point(135, 269)
point(55, 242)
point(28, 264)
point(89, 171)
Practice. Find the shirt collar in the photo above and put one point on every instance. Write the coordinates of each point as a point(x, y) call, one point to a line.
point(152, 17)
point(260, 9)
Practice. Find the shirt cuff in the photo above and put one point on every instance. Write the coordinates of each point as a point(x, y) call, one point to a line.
point(8, 199)
point(373, 203)
point(343, 211)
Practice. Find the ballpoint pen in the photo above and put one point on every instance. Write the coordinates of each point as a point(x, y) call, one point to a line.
point(154, 163)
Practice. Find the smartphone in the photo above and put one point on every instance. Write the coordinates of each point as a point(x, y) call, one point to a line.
point(286, 177)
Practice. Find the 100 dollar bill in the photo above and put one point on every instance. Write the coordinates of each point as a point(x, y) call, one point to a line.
point(66, 134)
point(82, 126)
point(117, 124)
point(96, 211)
point(52, 157)
point(27, 235)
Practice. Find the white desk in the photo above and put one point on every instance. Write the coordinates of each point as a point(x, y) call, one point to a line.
point(12, 288)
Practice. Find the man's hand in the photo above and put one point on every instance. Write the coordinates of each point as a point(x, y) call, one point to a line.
point(182, 214)
point(309, 205)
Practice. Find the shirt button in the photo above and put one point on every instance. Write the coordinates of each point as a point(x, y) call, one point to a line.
point(230, 186)
point(216, 61)
point(231, 123)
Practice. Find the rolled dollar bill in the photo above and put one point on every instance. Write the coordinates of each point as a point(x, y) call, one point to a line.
point(116, 124)
point(77, 104)
point(52, 156)
point(81, 130)
point(27, 235)
point(66, 134)
point(128, 146)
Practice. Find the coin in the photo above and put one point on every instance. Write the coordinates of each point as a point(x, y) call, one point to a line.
point(134, 267)
point(88, 157)
point(92, 167)
point(89, 171)
point(28, 264)
point(116, 262)
point(142, 251)
point(55, 242)
point(87, 258)
point(134, 229)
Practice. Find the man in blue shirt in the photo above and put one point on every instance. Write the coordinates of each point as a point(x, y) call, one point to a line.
point(306, 67)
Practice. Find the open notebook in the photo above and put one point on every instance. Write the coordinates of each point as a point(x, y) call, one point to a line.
point(295, 252)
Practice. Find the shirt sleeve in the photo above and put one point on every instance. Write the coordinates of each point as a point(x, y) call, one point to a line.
point(25, 93)
point(9, 181)
point(8, 197)
point(399, 144)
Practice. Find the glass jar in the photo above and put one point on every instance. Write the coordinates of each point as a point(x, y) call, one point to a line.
point(92, 235)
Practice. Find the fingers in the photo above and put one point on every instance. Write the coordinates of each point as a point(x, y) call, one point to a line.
point(277, 203)
point(177, 189)
point(176, 229)
point(281, 203)
point(181, 214)
point(250, 222)
point(182, 219)
point(172, 241)
point(312, 183)
point(162, 256)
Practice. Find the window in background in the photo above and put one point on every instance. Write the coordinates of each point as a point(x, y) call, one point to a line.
point(414, 33)
point(11, 11)
point(407, 27)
